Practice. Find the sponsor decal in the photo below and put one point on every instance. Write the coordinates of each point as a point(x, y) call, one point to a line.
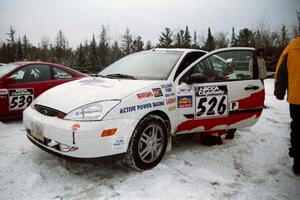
point(171, 108)
point(141, 107)
point(144, 95)
point(211, 90)
point(168, 88)
point(169, 85)
point(234, 106)
point(185, 101)
point(19, 99)
point(157, 92)
point(170, 94)
point(119, 142)
point(211, 101)
point(3, 92)
point(170, 100)
point(184, 89)
point(128, 109)
point(159, 103)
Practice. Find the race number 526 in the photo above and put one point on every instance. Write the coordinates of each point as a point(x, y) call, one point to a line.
point(19, 99)
point(211, 101)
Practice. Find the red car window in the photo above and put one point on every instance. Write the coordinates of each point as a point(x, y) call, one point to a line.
point(59, 74)
point(32, 73)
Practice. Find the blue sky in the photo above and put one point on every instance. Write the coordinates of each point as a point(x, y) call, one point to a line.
point(79, 19)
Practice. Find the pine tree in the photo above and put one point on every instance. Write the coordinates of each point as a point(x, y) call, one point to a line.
point(137, 44)
point(149, 45)
point(11, 46)
point(195, 42)
point(45, 53)
point(60, 47)
point(11, 35)
point(19, 55)
point(179, 40)
point(81, 61)
point(186, 43)
point(246, 38)
point(103, 48)
point(210, 42)
point(26, 48)
point(165, 40)
point(116, 52)
point(126, 42)
point(93, 62)
point(233, 38)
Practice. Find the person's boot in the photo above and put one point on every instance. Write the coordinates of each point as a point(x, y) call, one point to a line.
point(296, 166)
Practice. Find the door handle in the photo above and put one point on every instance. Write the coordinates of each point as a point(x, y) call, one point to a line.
point(252, 87)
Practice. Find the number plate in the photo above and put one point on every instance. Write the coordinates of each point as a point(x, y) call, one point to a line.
point(211, 101)
point(19, 99)
point(37, 131)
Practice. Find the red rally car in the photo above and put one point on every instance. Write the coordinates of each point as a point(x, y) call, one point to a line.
point(22, 82)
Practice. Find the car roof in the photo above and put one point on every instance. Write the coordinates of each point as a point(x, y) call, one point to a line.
point(178, 49)
point(33, 62)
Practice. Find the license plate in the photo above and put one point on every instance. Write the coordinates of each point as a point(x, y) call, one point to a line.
point(37, 131)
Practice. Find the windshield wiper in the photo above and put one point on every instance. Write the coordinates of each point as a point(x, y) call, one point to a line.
point(121, 76)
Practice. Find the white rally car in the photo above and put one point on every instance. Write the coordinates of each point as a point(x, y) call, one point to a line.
point(137, 104)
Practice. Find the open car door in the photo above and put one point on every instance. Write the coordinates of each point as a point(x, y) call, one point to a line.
point(221, 92)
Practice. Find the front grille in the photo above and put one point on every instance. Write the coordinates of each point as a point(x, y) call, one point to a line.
point(49, 111)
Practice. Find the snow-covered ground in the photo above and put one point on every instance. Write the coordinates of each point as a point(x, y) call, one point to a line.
point(255, 165)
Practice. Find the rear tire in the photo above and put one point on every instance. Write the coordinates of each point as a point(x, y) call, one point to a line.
point(230, 134)
point(148, 143)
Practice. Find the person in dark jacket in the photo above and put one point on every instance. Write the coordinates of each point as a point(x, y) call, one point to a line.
point(257, 65)
point(287, 78)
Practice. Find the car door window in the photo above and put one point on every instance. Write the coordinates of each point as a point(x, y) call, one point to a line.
point(187, 60)
point(32, 73)
point(59, 74)
point(222, 66)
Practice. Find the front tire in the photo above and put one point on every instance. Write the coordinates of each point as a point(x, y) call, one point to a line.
point(148, 143)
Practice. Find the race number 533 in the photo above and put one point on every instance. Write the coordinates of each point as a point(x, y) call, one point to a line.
point(19, 99)
point(211, 101)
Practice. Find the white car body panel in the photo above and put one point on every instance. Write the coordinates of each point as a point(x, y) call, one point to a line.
point(94, 89)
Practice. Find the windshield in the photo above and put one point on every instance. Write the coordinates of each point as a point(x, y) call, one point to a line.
point(150, 65)
point(7, 68)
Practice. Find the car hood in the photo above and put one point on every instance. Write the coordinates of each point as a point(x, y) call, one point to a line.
point(72, 95)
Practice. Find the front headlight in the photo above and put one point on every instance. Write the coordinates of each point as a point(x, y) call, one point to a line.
point(92, 112)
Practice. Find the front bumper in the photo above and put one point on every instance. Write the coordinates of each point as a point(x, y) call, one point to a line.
point(85, 142)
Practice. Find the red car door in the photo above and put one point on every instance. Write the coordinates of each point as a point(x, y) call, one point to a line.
point(31, 81)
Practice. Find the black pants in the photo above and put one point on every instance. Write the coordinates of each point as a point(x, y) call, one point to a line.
point(295, 131)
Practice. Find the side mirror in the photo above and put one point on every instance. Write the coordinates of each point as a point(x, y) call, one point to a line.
point(196, 78)
point(9, 80)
